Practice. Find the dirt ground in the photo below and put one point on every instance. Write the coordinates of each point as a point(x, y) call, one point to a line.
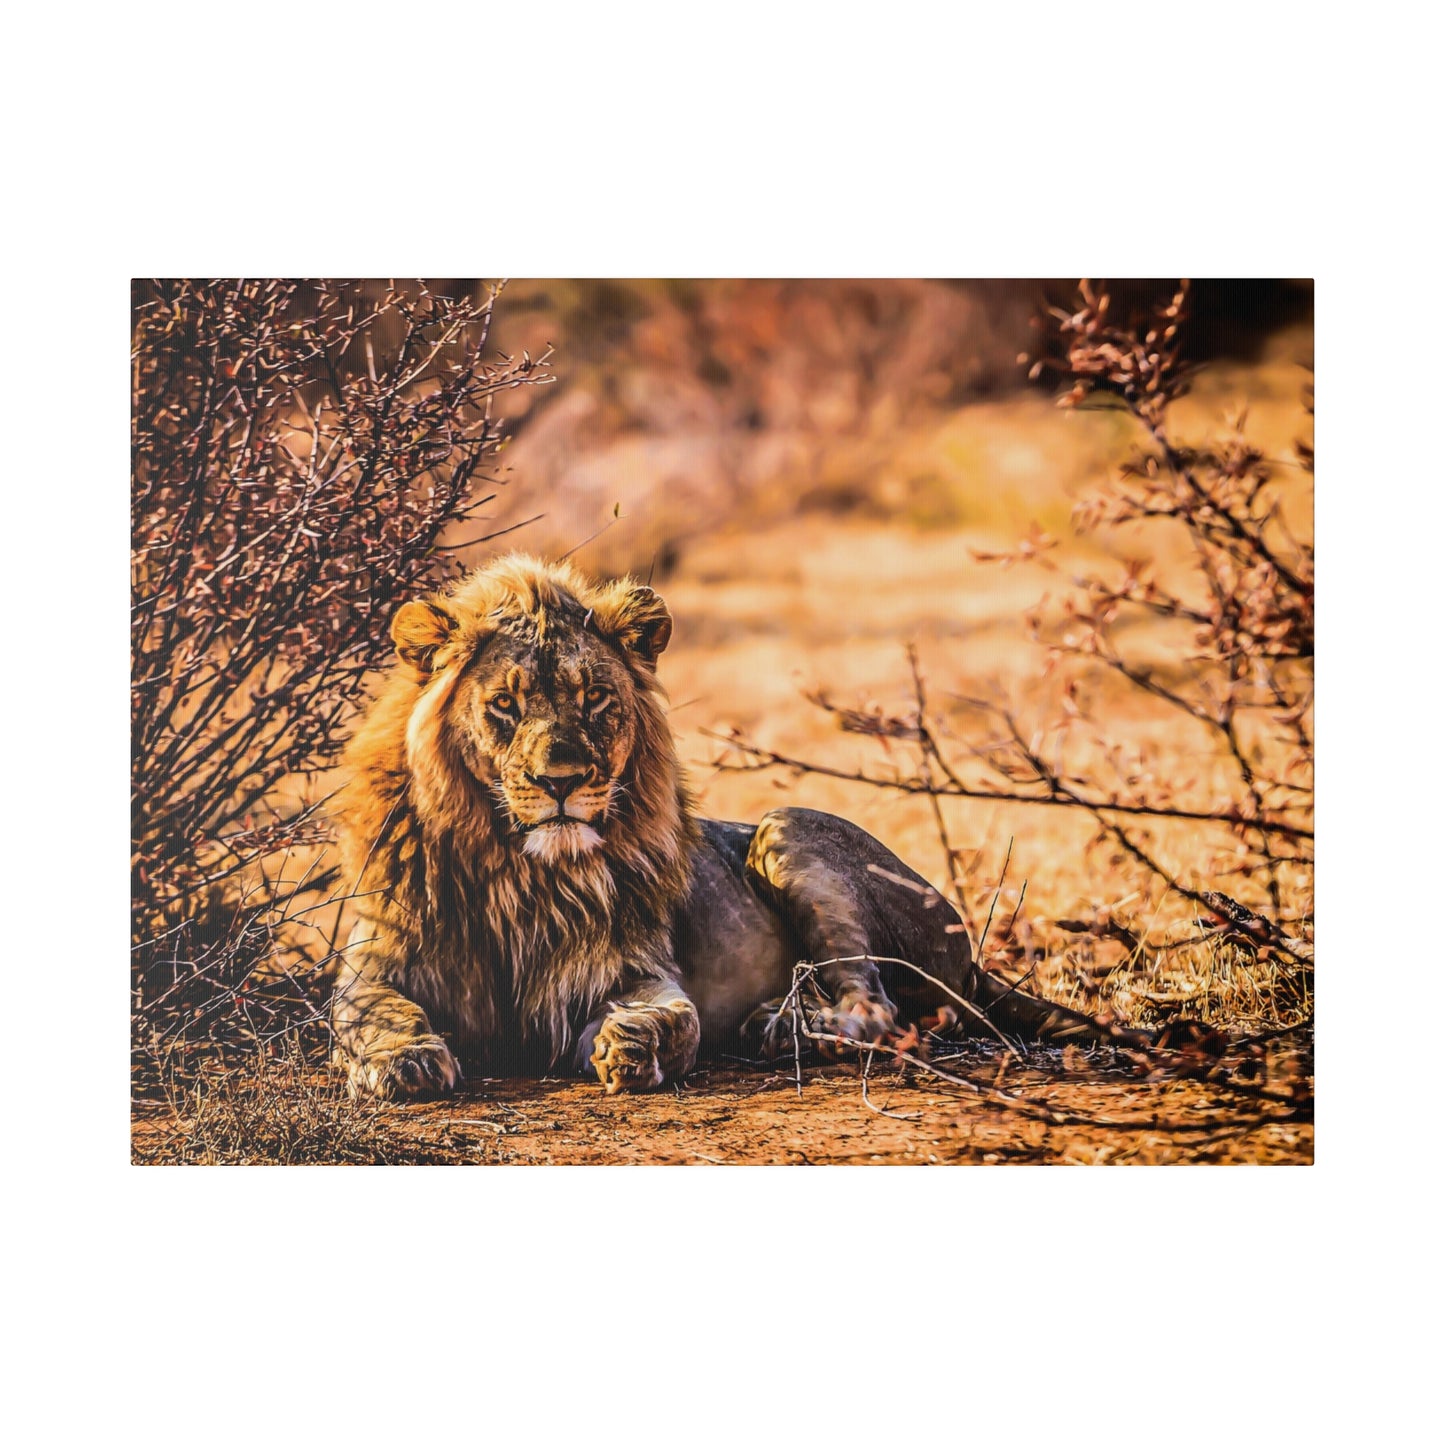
point(733, 1115)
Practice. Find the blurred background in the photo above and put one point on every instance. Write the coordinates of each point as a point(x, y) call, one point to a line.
point(707, 405)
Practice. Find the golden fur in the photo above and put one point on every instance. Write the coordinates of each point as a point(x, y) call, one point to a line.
point(481, 916)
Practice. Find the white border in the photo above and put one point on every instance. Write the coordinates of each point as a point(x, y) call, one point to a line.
point(748, 140)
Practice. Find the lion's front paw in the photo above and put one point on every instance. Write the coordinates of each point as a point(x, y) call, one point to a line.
point(858, 1019)
point(639, 1046)
point(410, 1070)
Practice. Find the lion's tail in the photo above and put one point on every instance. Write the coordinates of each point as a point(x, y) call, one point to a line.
point(1022, 1015)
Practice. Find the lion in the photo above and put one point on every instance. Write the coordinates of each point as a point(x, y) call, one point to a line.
point(535, 889)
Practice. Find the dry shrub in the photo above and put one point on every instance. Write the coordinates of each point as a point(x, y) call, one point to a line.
point(299, 450)
point(1202, 643)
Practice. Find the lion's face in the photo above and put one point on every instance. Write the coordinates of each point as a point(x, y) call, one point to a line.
point(549, 726)
point(542, 698)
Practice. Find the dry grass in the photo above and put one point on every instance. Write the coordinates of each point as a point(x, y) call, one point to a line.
point(277, 1109)
point(1218, 982)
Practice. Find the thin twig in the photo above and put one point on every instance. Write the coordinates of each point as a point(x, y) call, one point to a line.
point(878, 1108)
point(983, 937)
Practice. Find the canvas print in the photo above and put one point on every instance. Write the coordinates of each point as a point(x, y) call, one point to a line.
point(722, 722)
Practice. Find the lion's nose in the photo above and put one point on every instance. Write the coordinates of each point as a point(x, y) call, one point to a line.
point(558, 785)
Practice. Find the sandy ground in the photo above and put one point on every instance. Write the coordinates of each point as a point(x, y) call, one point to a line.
point(734, 1116)
point(728, 1112)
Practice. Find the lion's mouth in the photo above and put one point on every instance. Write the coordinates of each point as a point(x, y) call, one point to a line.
point(572, 827)
point(557, 820)
point(558, 837)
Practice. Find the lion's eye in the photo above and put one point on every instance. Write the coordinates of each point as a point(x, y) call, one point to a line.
point(595, 699)
point(504, 705)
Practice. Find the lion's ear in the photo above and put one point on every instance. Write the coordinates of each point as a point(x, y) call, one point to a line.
point(418, 630)
point(640, 621)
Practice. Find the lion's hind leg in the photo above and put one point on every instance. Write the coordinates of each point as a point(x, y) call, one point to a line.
point(803, 1022)
point(891, 955)
point(813, 867)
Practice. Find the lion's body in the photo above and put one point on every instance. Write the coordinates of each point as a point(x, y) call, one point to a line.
point(535, 892)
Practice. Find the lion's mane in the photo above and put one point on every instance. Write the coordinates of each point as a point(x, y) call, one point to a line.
point(509, 952)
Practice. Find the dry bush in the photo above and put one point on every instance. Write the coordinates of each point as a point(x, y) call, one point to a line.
point(274, 1109)
point(1201, 644)
point(299, 450)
